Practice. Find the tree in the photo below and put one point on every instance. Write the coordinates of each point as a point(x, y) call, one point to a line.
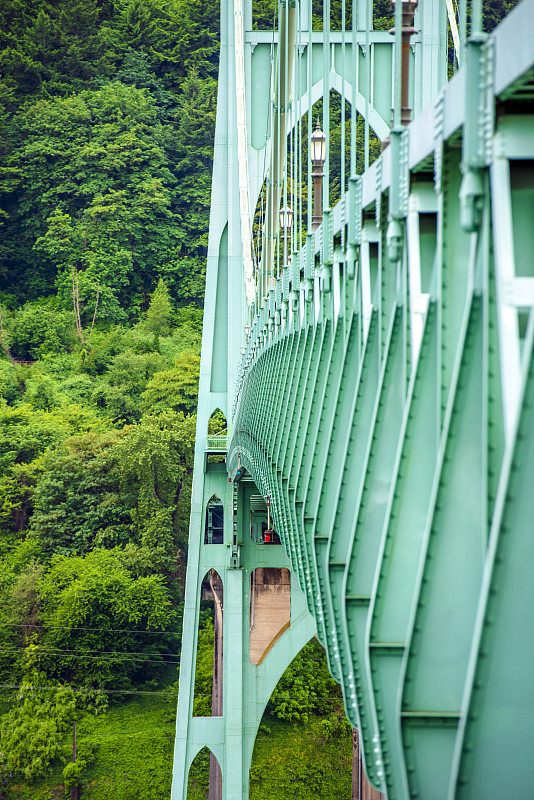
point(156, 459)
point(176, 388)
point(31, 732)
point(157, 319)
point(128, 374)
point(99, 617)
point(195, 116)
point(26, 432)
point(39, 328)
point(119, 393)
point(94, 196)
point(305, 687)
point(78, 504)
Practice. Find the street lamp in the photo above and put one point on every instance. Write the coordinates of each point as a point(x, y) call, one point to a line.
point(286, 221)
point(318, 156)
point(408, 11)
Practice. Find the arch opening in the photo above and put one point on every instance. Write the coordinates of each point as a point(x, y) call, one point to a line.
point(205, 777)
point(217, 437)
point(305, 725)
point(208, 698)
point(214, 522)
point(295, 193)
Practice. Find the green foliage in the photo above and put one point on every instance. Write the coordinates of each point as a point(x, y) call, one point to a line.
point(26, 433)
point(204, 671)
point(300, 762)
point(195, 129)
point(93, 607)
point(305, 688)
point(105, 345)
point(121, 391)
point(107, 114)
point(217, 422)
point(10, 387)
point(157, 319)
point(17, 486)
point(39, 328)
point(31, 732)
point(93, 177)
point(77, 501)
point(156, 460)
point(72, 773)
point(175, 389)
point(131, 749)
point(198, 780)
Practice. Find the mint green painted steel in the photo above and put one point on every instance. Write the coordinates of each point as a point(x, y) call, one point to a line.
point(498, 695)
point(450, 579)
point(383, 404)
point(322, 514)
point(339, 512)
point(298, 431)
point(305, 436)
point(366, 530)
point(318, 467)
point(394, 592)
point(447, 433)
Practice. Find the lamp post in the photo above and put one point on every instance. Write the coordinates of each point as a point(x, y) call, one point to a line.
point(318, 156)
point(408, 11)
point(286, 221)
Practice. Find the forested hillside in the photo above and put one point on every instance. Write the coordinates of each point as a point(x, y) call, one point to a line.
point(106, 128)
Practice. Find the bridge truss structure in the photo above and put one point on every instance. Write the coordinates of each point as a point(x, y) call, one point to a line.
point(377, 379)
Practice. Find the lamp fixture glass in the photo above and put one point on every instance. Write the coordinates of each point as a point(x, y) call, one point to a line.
point(286, 219)
point(318, 146)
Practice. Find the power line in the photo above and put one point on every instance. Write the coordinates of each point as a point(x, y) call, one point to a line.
point(110, 657)
point(84, 691)
point(57, 650)
point(79, 628)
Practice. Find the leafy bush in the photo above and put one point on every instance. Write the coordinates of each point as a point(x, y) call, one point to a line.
point(156, 458)
point(10, 387)
point(99, 618)
point(175, 389)
point(305, 688)
point(38, 328)
point(32, 731)
point(77, 501)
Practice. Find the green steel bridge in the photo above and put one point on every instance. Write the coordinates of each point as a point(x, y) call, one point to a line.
point(374, 363)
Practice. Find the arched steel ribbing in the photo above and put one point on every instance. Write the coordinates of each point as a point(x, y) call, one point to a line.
point(377, 376)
